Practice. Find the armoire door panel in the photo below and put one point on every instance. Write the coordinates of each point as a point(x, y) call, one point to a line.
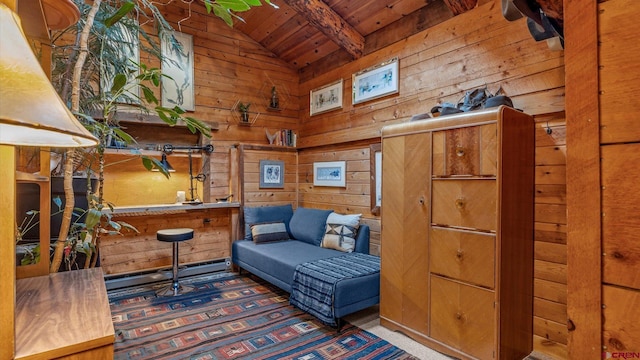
point(404, 248)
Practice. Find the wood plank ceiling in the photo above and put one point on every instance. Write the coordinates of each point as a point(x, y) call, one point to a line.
point(314, 36)
point(303, 33)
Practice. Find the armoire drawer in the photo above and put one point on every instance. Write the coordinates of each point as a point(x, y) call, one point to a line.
point(463, 255)
point(468, 203)
point(465, 151)
point(463, 317)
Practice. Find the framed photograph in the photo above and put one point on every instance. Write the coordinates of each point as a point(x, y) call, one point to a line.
point(326, 98)
point(271, 174)
point(329, 173)
point(377, 81)
point(177, 63)
point(376, 178)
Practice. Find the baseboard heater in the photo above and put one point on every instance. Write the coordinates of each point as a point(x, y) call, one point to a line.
point(133, 279)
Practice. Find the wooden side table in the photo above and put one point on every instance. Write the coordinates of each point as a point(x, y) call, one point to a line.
point(64, 315)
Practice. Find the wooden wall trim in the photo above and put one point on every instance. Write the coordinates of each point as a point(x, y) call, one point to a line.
point(267, 148)
point(8, 246)
point(583, 180)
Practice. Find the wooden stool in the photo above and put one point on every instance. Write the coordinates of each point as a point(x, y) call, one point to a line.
point(175, 236)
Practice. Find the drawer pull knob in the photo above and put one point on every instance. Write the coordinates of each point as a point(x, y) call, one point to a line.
point(459, 151)
point(459, 254)
point(459, 316)
point(460, 203)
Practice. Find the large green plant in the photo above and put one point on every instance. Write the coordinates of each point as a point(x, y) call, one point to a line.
point(99, 48)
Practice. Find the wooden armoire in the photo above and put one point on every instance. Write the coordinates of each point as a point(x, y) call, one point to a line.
point(457, 232)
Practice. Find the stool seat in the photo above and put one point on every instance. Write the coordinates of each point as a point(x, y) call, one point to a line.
point(172, 235)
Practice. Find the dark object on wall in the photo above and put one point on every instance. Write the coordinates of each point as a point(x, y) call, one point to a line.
point(540, 25)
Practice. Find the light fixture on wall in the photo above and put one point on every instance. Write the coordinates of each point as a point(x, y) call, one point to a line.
point(168, 149)
point(165, 164)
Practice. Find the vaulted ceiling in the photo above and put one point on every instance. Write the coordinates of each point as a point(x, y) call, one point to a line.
point(316, 35)
point(304, 33)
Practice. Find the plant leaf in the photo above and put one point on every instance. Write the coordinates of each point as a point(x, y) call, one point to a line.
point(119, 81)
point(93, 218)
point(122, 12)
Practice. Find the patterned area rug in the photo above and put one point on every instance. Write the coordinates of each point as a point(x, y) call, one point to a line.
point(231, 317)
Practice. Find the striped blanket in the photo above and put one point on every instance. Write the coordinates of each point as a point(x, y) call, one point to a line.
point(314, 282)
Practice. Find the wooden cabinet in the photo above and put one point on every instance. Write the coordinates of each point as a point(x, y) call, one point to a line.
point(457, 233)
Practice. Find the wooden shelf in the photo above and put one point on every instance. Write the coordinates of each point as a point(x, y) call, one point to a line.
point(140, 152)
point(23, 176)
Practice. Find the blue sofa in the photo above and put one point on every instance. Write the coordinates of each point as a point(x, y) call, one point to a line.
point(276, 261)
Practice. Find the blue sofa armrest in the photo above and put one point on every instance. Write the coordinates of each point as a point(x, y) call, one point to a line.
point(362, 239)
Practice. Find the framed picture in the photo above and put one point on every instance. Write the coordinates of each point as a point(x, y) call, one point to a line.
point(271, 174)
point(377, 81)
point(326, 98)
point(330, 173)
point(177, 63)
point(376, 178)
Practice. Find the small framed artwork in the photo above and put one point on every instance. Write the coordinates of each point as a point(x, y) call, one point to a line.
point(326, 98)
point(377, 81)
point(177, 63)
point(271, 174)
point(376, 178)
point(329, 173)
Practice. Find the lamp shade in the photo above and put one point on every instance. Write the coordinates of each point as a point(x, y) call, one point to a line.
point(31, 112)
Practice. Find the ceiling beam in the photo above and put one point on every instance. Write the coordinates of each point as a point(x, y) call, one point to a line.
point(458, 7)
point(321, 16)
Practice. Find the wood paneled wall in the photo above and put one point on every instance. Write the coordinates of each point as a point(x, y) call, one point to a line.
point(619, 170)
point(355, 198)
point(230, 67)
point(550, 238)
point(135, 252)
point(438, 65)
point(251, 194)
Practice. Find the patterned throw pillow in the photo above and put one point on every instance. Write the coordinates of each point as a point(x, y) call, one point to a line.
point(341, 232)
point(269, 232)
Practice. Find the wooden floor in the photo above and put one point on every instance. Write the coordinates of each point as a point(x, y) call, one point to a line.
point(64, 315)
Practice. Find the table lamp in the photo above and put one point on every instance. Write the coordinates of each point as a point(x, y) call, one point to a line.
point(31, 114)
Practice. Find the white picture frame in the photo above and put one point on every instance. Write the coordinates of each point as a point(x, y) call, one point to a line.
point(177, 63)
point(376, 81)
point(329, 173)
point(326, 98)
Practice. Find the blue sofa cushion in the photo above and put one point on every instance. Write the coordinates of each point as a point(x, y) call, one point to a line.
point(308, 225)
point(279, 259)
point(263, 214)
point(268, 232)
